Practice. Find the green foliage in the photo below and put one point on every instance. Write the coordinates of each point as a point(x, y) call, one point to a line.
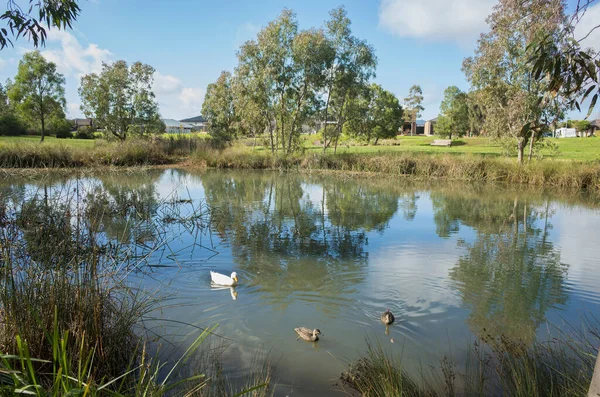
point(500, 72)
point(60, 127)
point(219, 110)
point(376, 114)
point(288, 78)
point(572, 72)
point(414, 100)
point(10, 124)
point(121, 99)
point(454, 114)
point(37, 93)
point(85, 133)
point(581, 125)
point(353, 65)
point(59, 14)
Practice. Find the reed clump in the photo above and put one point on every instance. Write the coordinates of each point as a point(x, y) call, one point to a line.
point(562, 366)
point(570, 175)
point(70, 324)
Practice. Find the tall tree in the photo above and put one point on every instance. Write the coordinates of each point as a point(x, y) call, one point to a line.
point(120, 98)
point(413, 103)
point(454, 113)
point(501, 73)
point(59, 14)
point(37, 92)
point(311, 55)
point(353, 64)
point(219, 110)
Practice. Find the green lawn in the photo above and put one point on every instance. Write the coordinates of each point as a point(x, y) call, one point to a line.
point(585, 149)
point(49, 140)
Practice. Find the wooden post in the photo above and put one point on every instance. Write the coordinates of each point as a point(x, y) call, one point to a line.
point(595, 385)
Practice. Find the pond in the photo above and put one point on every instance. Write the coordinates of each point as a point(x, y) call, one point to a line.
point(453, 262)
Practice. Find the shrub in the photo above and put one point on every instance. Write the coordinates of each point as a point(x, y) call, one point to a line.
point(11, 125)
point(85, 133)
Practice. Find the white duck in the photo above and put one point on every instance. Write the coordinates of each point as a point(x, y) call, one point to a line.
point(221, 279)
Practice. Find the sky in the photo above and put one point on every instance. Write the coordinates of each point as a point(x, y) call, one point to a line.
point(189, 42)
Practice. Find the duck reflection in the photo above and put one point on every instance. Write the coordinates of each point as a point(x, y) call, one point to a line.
point(232, 291)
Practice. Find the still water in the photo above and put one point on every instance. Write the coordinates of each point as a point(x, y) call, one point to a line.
point(452, 262)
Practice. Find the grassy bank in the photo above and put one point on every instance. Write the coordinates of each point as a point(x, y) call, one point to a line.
point(477, 159)
point(70, 324)
point(561, 367)
point(472, 168)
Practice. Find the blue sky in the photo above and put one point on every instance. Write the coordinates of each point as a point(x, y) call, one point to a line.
point(189, 42)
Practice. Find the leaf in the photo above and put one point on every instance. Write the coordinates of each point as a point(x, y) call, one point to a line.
point(592, 105)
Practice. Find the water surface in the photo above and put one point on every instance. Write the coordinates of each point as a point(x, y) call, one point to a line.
point(452, 262)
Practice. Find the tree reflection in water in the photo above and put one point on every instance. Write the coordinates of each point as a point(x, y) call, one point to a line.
point(296, 247)
point(511, 274)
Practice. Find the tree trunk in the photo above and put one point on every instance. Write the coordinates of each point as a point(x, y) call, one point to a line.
point(325, 126)
point(43, 129)
point(520, 150)
point(531, 142)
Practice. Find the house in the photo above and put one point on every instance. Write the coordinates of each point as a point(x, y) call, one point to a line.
point(80, 123)
point(566, 133)
point(177, 127)
point(430, 127)
point(198, 123)
point(594, 127)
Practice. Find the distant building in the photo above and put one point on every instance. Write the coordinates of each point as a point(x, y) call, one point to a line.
point(79, 123)
point(594, 127)
point(414, 126)
point(177, 127)
point(566, 133)
point(429, 129)
point(198, 122)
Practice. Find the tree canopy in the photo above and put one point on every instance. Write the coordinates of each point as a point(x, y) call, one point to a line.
point(37, 93)
point(121, 99)
point(502, 76)
point(454, 113)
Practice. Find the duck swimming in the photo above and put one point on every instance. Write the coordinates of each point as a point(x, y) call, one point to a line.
point(221, 279)
point(387, 317)
point(307, 334)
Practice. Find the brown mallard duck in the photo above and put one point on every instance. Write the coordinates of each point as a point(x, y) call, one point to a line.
point(387, 317)
point(307, 334)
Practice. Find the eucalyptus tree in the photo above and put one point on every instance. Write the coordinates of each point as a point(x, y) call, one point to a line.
point(573, 71)
point(501, 73)
point(253, 91)
point(28, 21)
point(454, 113)
point(120, 98)
point(352, 65)
point(38, 92)
point(414, 104)
point(219, 110)
point(311, 55)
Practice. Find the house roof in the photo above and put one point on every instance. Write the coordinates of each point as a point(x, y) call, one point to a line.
point(176, 124)
point(197, 119)
point(596, 123)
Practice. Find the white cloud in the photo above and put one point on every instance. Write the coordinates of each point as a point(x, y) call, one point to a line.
point(2, 63)
point(73, 110)
point(437, 20)
point(587, 23)
point(71, 58)
point(166, 84)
